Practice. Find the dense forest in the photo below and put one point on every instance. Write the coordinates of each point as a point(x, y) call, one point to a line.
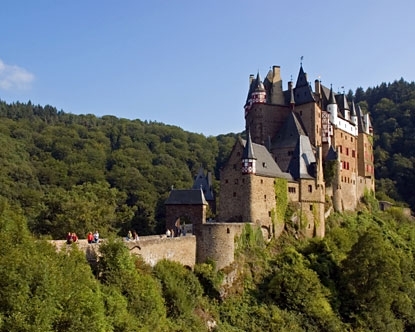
point(63, 172)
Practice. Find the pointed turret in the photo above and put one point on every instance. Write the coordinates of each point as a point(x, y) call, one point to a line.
point(353, 114)
point(248, 157)
point(344, 106)
point(256, 94)
point(332, 107)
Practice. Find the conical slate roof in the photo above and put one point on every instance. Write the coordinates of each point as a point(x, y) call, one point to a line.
point(302, 91)
point(248, 152)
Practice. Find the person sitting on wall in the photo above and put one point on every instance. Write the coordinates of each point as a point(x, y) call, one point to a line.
point(74, 238)
point(96, 237)
point(129, 236)
point(69, 238)
point(90, 237)
point(135, 239)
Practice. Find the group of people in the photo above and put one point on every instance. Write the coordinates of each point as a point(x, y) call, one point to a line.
point(176, 231)
point(73, 238)
point(93, 238)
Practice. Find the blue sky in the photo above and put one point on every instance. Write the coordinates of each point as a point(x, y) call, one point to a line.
point(187, 62)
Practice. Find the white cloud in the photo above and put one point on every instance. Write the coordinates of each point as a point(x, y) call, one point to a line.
point(14, 77)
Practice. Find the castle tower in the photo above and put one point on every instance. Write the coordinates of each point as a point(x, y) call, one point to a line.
point(365, 151)
point(307, 108)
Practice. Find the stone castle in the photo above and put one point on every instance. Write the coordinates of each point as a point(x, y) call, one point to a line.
point(306, 152)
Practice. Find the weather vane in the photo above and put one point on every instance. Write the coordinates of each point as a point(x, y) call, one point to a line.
point(301, 62)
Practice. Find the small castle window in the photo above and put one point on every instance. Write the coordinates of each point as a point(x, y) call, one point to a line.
point(291, 189)
point(228, 230)
point(310, 188)
point(226, 181)
point(311, 207)
point(309, 226)
point(269, 213)
point(234, 194)
point(265, 197)
point(264, 165)
point(262, 181)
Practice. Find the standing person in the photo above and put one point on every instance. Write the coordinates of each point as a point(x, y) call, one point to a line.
point(90, 237)
point(129, 236)
point(96, 237)
point(168, 233)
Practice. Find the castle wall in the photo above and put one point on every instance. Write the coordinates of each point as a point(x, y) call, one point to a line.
point(312, 208)
point(264, 120)
point(310, 115)
point(217, 242)
point(365, 153)
point(153, 248)
point(346, 145)
point(233, 190)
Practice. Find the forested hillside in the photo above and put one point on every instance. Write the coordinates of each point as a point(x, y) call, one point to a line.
point(80, 172)
point(392, 109)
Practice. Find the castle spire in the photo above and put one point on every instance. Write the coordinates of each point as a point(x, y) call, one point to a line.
point(353, 114)
point(248, 157)
point(332, 100)
point(332, 107)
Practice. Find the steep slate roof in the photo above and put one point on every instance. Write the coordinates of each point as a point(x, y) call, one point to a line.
point(186, 197)
point(343, 104)
point(303, 157)
point(265, 164)
point(361, 125)
point(289, 132)
point(353, 109)
point(204, 182)
point(302, 91)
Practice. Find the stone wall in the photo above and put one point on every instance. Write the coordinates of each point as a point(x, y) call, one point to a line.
point(153, 248)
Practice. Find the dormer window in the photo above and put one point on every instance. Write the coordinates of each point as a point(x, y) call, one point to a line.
point(264, 164)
